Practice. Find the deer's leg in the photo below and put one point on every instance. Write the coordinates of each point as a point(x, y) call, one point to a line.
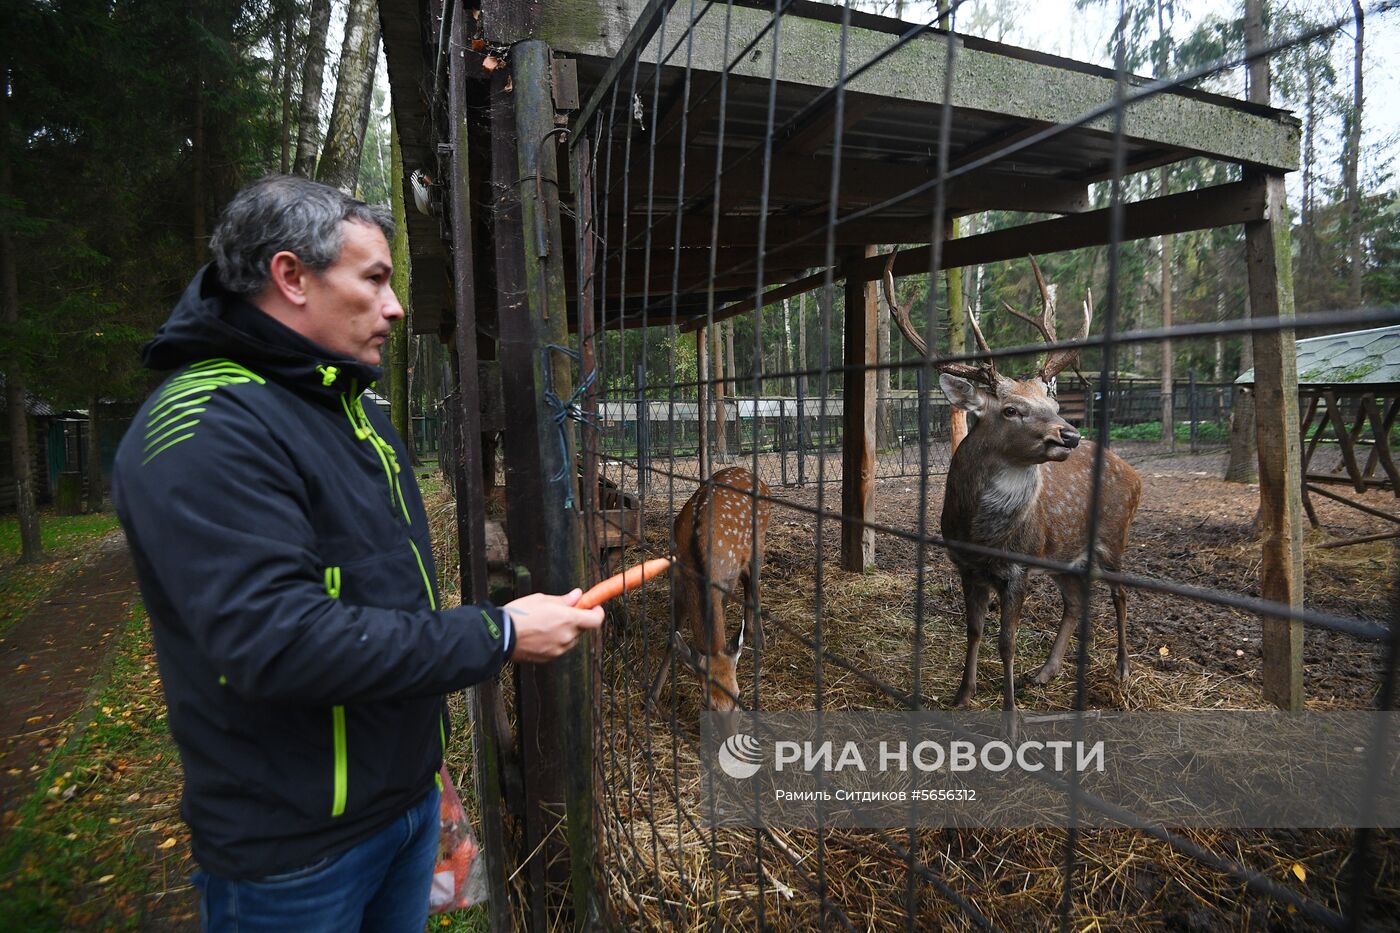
point(1072, 594)
point(975, 598)
point(1120, 608)
point(662, 676)
point(1011, 596)
point(683, 600)
point(753, 619)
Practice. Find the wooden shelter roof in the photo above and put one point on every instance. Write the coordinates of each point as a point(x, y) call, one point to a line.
point(1001, 95)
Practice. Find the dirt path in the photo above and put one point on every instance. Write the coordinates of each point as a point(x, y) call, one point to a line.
point(49, 659)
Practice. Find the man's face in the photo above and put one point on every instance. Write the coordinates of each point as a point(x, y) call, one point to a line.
point(350, 307)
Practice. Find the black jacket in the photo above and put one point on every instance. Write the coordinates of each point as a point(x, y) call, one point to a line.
point(285, 562)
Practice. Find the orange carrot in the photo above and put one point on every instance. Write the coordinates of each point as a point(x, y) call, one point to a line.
point(629, 579)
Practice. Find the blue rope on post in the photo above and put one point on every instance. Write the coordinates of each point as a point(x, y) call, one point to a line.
point(562, 411)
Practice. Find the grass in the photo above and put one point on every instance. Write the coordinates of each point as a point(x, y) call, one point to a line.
point(67, 543)
point(60, 534)
point(1207, 431)
point(99, 838)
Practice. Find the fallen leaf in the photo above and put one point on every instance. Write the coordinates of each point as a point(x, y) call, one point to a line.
point(1300, 872)
point(133, 798)
point(1164, 651)
point(478, 45)
point(105, 879)
point(169, 843)
point(490, 63)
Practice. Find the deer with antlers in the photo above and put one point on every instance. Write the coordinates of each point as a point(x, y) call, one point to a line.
point(1021, 484)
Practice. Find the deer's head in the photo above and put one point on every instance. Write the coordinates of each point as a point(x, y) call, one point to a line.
point(719, 672)
point(1019, 416)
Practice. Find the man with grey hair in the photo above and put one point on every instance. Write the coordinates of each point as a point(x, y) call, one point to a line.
point(285, 562)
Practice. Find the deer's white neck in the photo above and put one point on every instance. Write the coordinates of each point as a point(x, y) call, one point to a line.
point(1011, 489)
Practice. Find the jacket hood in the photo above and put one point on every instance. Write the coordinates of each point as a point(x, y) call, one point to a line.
point(210, 321)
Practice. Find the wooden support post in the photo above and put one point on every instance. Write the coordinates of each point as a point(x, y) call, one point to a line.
point(484, 700)
point(591, 650)
point(858, 426)
point(554, 704)
point(719, 454)
point(524, 478)
point(1306, 447)
point(566, 731)
point(702, 416)
point(1276, 420)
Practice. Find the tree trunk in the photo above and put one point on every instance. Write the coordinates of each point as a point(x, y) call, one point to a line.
point(199, 180)
point(800, 386)
point(1352, 181)
point(97, 493)
point(785, 364)
point(884, 423)
point(288, 57)
point(721, 451)
point(397, 363)
point(733, 386)
point(1168, 403)
point(1243, 465)
point(802, 332)
point(957, 336)
point(309, 115)
point(340, 159)
point(31, 544)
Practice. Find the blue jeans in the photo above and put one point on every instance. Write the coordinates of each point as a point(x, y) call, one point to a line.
point(377, 886)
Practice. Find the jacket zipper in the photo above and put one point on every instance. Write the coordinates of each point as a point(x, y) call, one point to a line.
point(353, 404)
point(340, 781)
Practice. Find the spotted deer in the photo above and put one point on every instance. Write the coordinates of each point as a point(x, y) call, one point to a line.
point(718, 542)
point(1020, 483)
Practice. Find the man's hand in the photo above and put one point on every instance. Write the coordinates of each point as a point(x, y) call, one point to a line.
point(548, 626)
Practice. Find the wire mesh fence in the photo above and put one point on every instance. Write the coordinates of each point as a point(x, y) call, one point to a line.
point(734, 156)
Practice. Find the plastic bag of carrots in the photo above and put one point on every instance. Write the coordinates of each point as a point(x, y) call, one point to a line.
point(459, 877)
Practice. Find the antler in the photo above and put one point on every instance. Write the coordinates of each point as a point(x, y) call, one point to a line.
point(985, 373)
point(1059, 360)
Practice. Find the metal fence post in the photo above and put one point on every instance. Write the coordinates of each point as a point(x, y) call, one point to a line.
point(643, 416)
point(1192, 390)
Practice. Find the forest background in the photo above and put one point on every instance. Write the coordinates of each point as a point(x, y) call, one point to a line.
point(127, 126)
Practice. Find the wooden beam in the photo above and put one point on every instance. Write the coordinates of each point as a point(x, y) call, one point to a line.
point(736, 229)
point(858, 426)
point(822, 129)
point(693, 283)
point(1269, 266)
point(995, 143)
point(807, 181)
point(1218, 206)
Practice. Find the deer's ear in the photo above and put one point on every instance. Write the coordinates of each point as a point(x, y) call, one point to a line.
point(961, 393)
point(736, 644)
point(684, 654)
